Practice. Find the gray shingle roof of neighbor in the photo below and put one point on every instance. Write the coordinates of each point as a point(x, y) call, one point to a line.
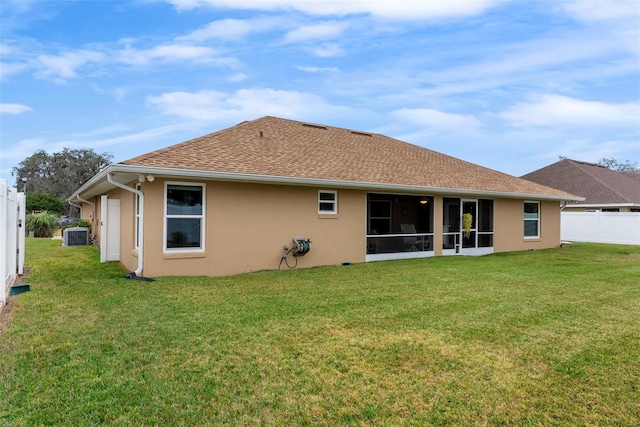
point(271, 146)
point(598, 184)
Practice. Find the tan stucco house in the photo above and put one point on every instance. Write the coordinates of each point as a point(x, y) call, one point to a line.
point(233, 201)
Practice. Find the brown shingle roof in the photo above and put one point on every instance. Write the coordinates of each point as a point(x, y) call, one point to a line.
point(598, 184)
point(286, 148)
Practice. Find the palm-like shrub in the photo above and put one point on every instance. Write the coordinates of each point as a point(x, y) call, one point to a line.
point(42, 224)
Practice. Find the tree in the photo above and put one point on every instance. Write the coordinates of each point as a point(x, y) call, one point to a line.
point(59, 174)
point(45, 202)
point(615, 165)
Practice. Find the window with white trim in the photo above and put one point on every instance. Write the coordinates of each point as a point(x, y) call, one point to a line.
point(531, 219)
point(327, 202)
point(184, 217)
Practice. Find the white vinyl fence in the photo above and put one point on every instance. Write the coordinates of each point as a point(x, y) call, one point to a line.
point(601, 227)
point(12, 216)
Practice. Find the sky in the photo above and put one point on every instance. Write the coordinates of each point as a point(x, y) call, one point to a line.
point(509, 85)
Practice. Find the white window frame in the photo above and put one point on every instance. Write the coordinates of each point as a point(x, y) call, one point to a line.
point(334, 202)
point(537, 220)
point(202, 218)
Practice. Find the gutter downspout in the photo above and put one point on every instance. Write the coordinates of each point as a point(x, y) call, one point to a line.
point(138, 271)
point(93, 206)
point(92, 216)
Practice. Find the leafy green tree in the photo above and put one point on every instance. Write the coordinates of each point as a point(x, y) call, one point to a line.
point(615, 165)
point(59, 174)
point(45, 202)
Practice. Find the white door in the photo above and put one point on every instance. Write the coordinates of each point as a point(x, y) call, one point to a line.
point(109, 229)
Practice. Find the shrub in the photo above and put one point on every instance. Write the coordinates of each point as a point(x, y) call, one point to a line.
point(79, 223)
point(44, 202)
point(82, 223)
point(42, 224)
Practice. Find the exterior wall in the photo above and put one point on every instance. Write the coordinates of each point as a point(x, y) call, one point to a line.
point(128, 253)
point(247, 226)
point(509, 226)
point(91, 213)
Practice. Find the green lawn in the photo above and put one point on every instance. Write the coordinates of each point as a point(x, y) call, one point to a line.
point(532, 338)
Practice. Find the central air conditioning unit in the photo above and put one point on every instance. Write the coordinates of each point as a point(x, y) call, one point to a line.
point(75, 236)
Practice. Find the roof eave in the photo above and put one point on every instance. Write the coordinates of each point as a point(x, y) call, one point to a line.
point(614, 205)
point(130, 172)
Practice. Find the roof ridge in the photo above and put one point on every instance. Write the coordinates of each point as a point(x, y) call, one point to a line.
point(603, 183)
point(194, 140)
point(582, 162)
point(313, 124)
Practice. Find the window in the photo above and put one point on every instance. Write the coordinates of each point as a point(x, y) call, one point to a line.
point(379, 217)
point(531, 219)
point(184, 217)
point(485, 223)
point(327, 202)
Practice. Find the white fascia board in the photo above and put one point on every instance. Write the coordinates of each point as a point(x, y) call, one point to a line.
point(604, 205)
point(116, 169)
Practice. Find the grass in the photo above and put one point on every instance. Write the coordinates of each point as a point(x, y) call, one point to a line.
point(534, 338)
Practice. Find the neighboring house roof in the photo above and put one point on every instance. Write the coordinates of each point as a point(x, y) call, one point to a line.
point(634, 175)
point(598, 184)
point(284, 151)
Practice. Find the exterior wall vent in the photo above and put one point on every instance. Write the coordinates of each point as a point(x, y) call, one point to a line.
point(313, 125)
point(75, 236)
point(355, 132)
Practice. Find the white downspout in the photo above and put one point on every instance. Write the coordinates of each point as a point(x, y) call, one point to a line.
point(138, 271)
point(93, 206)
point(92, 216)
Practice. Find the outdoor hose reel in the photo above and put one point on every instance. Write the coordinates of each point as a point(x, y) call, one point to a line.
point(302, 246)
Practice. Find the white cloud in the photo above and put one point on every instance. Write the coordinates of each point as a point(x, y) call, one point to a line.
point(238, 77)
point(559, 110)
point(24, 147)
point(136, 138)
point(386, 9)
point(6, 49)
point(232, 29)
point(213, 105)
point(101, 131)
point(591, 150)
point(172, 53)
point(6, 108)
point(327, 50)
point(9, 68)
point(602, 10)
point(308, 69)
point(63, 67)
point(321, 31)
point(436, 121)
point(87, 139)
point(619, 17)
